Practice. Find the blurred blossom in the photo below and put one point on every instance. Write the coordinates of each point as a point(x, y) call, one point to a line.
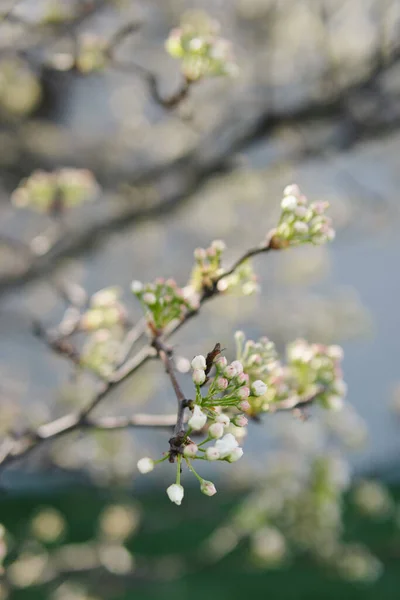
point(372, 499)
point(55, 191)
point(268, 546)
point(201, 51)
point(48, 525)
point(118, 522)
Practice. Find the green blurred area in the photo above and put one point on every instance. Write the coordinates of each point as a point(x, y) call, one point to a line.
point(170, 562)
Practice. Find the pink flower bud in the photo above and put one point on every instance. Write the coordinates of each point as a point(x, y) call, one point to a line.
point(242, 378)
point(240, 421)
point(208, 488)
point(238, 366)
point(221, 384)
point(149, 298)
point(244, 405)
point(221, 362)
point(243, 393)
point(190, 450)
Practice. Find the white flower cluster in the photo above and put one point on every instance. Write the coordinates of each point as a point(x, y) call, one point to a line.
point(302, 222)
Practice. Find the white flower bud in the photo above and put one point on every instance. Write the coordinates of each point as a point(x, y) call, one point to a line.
point(230, 371)
point(149, 298)
point(198, 376)
point(216, 430)
point(198, 419)
point(289, 203)
point(235, 455)
point(224, 419)
point(208, 488)
point(226, 445)
point(300, 227)
point(190, 450)
point(259, 388)
point(145, 465)
point(199, 362)
point(218, 245)
point(136, 286)
point(212, 453)
point(238, 366)
point(292, 190)
point(175, 493)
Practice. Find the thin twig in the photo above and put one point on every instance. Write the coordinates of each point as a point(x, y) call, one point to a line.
point(165, 356)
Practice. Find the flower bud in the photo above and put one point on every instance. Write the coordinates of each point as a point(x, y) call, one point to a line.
point(230, 372)
point(216, 430)
point(244, 405)
point(221, 384)
point(292, 190)
point(243, 393)
point(199, 362)
point(136, 286)
point(208, 488)
point(289, 203)
point(300, 227)
point(242, 378)
point(221, 363)
point(238, 366)
point(175, 493)
point(259, 388)
point(198, 419)
point(218, 245)
point(190, 450)
point(145, 465)
point(198, 376)
point(235, 455)
point(149, 298)
point(224, 419)
point(212, 453)
point(240, 421)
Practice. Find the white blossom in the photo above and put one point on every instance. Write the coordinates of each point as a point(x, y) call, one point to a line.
point(145, 465)
point(212, 453)
point(235, 454)
point(216, 430)
point(198, 418)
point(198, 376)
point(199, 362)
point(136, 286)
point(259, 388)
point(175, 493)
point(224, 419)
point(226, 444)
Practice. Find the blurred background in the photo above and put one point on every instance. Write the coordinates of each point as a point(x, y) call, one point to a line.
point(85, 84)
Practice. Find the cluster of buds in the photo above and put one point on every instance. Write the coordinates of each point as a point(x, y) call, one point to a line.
point(207, 266)
point(56, 191)
point(104, 312)
point(317, 367)
point(163, 302)
point(208, 269)
point(301, 222)
point(92, 54)
point(101, 351)
point(219, 412)
point(311, 369)
point(201, 51)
